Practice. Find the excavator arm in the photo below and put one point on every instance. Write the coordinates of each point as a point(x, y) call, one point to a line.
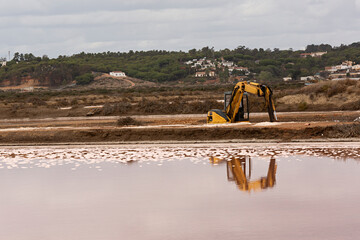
point(232, 109)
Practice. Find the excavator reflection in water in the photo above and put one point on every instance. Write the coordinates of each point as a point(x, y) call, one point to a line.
point(239, 170)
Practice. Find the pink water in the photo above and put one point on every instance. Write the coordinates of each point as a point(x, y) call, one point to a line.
point(163, 195)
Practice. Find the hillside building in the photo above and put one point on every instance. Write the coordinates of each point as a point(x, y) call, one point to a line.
point(346, 70)
point(203, 74)
point(200, 74)
point(117, 74)
point(2, 62)
point(286, 79)
point(307, 78)
point(313, 54)
point(227, 63)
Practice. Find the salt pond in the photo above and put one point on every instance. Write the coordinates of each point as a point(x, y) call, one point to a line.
point(199, 191)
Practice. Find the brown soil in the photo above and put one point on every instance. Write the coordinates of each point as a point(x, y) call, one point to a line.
point(283, 133)
point(107, 81)
point(26, 83)
point(179, 128)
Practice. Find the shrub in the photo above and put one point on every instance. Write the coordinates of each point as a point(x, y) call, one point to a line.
point(35, 101)
point(351, 106)
point(346, 130)
point(303, 106)
point(62, 102)
point(336, 89)
point(127, 121)
point(117, 108)
point(202, 106)
point(330, 88)
point(84, 79)
point(74, 102)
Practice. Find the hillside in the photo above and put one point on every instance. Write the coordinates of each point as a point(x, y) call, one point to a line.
point(329, 95)
point(144, 99)
point(267, 66)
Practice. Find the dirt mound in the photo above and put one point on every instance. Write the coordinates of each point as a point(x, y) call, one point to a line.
point(327, 95)
point(107, 81)
point(25, 83)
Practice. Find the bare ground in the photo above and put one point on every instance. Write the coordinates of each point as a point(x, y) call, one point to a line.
point(291, 126)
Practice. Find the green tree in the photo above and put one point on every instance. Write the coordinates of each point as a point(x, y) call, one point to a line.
point(84, 79)
point(265, 76)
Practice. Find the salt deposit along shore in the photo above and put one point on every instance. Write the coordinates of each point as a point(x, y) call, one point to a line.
point(13, 157)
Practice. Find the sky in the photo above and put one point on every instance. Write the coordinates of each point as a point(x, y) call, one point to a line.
point(67, 27)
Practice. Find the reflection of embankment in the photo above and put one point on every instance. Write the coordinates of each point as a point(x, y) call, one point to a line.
point(79, 155)
point(239, 170)
point(329, 150)
point(335, 153)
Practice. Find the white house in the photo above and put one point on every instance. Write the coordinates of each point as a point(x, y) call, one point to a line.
point(307, 78)
point(117, 74)
point(227, 63)
point(356, 67)
point(286, 79)
point(318, 54)
point(343, 66)
point(313, 54)
point(208, 65)
point(2, 62)
point(211, 74)
point(200, 74)
point(203, 74)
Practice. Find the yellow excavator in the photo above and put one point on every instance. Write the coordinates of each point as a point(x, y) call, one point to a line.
point(236, 104)
point(239, 170)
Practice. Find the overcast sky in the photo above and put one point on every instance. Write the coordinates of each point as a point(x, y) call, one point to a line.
point(66, 27)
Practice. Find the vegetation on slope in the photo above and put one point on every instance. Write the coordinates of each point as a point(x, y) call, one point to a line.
point(327, 95)
point(163, 66)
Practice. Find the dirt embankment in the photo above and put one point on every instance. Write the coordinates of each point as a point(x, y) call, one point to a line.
point(179, 128)
point(179, 134)
point(106, 81)
point(25, 83)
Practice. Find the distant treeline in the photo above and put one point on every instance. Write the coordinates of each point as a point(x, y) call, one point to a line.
point(165, 66)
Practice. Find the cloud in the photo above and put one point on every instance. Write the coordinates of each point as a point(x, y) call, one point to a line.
point(67, 27)
point(15, 7)
point(256, 8)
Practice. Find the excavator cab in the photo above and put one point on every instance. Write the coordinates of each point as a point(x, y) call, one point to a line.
point(243, 113)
